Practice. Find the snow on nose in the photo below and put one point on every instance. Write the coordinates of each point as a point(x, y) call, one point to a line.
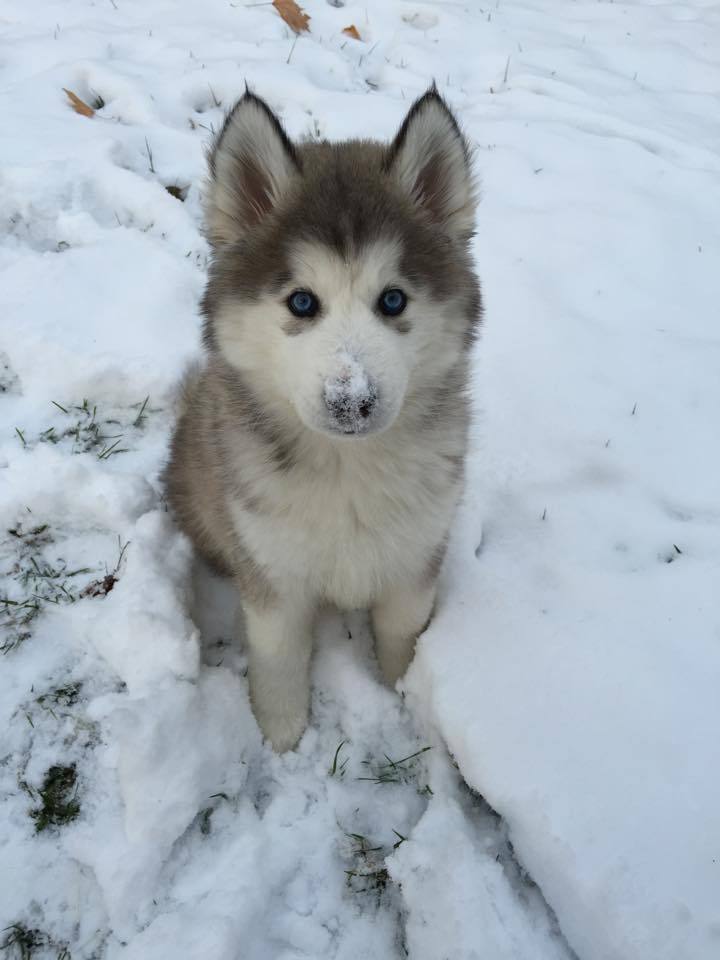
point(350, 396)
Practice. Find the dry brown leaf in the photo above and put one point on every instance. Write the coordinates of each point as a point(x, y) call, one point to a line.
point(78, 105)
point(293, 15)
point(352, 31)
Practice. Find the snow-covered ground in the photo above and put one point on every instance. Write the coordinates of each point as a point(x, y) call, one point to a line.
point(568, 688)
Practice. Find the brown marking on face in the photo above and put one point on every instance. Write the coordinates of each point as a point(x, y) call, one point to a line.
point(399, 324)
point(249, 412)
point(294, 326)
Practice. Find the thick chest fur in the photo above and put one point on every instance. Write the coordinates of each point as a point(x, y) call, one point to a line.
point(345, 528)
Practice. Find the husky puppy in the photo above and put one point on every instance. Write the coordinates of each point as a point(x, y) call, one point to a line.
point(319, 454)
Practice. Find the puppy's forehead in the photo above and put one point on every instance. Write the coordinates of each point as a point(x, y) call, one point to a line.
point(373, 265)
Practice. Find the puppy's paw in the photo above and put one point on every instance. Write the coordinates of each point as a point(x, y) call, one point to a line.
point(394, 657)
point(282, 730)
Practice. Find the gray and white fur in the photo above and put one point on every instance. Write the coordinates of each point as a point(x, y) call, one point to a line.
point(319, 458)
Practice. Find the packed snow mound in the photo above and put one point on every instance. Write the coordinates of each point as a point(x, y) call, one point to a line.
point(546, 787)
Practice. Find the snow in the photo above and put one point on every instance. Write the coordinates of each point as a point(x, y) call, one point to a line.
point(572, 669)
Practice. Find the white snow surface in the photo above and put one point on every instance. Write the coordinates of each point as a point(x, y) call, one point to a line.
point(569, 805)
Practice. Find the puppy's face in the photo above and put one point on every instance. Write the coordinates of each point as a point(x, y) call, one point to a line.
point(340, 281)
point(335, 338)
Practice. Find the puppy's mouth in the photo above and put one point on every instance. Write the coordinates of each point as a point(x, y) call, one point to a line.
point(358, 429)
point(354, 429)
point(379, 422)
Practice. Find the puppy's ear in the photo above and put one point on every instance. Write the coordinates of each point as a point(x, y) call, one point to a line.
point(431, 160)
point(251, 166)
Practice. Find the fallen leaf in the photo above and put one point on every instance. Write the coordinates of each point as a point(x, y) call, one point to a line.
point(78, 105)
point(100, 588)
point(352, 31)
point(293, 15)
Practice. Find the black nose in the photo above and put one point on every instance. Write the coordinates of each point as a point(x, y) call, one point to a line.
point(351, 411)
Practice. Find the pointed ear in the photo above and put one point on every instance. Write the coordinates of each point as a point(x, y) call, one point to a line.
point(431, 160)
point(251, 165)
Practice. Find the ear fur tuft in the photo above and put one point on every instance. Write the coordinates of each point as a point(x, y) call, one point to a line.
point(431, 159)
point(251, 165)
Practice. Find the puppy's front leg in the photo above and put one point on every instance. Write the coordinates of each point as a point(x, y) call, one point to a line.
point(399, 617)
point(279, 641)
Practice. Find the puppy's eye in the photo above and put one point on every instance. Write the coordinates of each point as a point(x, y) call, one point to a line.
point(392, 302)
point(303, 303)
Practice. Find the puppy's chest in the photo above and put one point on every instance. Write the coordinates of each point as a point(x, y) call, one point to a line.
point(348, 532)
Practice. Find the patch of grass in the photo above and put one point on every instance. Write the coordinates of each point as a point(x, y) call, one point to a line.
point(41, 582)
point(337, 767)
point(142, 416)
point(21, 942)
point(362, 845)
point(65, 696)
point(672, 555)
point(368, 881)
point(59, 709)
point(149, 156)
point(17, 615)
point(216, 102)
point(111, 448)
point(204, 818)
point(16, 618)
point(58, 798)
point(393, 771)
point(35, 537)
point(368, 873)
point(400, 840)
point(88, 432)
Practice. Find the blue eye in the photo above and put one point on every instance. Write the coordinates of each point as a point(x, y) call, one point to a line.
point(303, 303)
point(392, 302)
